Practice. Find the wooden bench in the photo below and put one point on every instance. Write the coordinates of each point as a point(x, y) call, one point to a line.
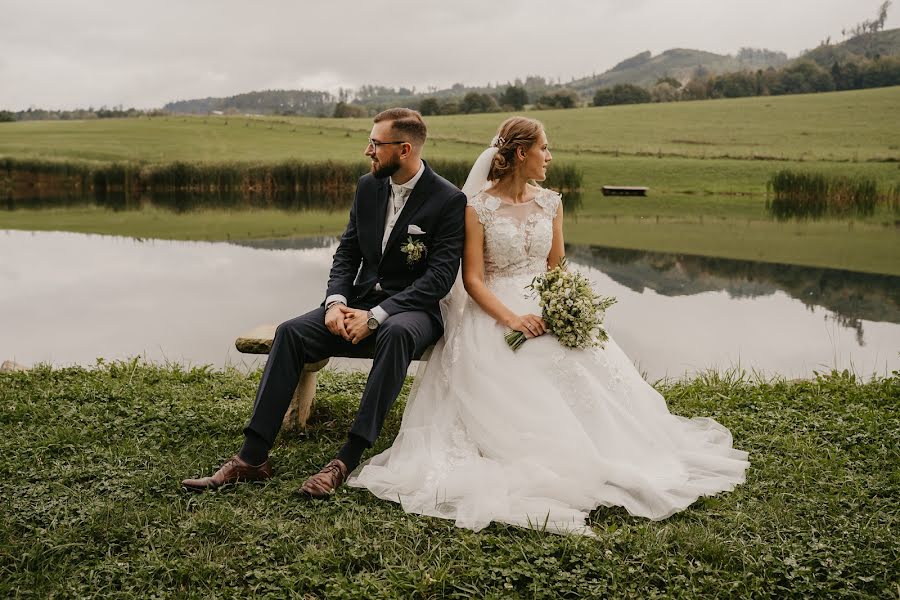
point(624, 190)
point(259, 341)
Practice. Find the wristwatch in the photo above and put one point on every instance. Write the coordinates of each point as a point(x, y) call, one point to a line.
point(372, 322)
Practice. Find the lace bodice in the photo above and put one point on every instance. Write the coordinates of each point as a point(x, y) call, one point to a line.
point(517, 237)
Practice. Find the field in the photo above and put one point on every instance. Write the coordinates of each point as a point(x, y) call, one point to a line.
point(93, 508)
point(702, 161)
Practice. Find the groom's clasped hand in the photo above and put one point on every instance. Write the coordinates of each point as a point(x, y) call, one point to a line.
point(349, 323)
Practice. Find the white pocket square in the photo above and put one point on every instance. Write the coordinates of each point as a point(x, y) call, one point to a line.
point(414, 230)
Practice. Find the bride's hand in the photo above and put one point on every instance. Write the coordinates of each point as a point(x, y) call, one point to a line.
point(530, 325)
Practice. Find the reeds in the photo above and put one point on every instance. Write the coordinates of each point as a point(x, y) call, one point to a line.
point(290, 184)
point(816, 195)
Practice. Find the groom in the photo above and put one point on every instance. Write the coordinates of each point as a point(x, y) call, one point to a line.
point(397, 258)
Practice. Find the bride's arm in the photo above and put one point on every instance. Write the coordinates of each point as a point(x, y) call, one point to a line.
point(473, 280)
point(558, 247)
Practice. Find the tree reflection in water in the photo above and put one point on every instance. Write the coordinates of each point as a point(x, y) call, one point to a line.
point(851, 296)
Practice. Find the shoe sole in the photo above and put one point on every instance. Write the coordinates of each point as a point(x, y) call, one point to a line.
point(312, 496)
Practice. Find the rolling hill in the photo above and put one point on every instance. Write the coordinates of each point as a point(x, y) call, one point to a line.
point(642, 69)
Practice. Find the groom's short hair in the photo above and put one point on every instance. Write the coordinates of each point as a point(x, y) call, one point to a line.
point(407, 122)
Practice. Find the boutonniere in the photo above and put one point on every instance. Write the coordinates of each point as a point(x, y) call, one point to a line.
point(414, 250)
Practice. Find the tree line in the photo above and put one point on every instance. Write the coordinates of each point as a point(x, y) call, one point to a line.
point(804, 77)
point(40, 114)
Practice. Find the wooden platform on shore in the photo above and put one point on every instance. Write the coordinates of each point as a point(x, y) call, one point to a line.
point(624, 190)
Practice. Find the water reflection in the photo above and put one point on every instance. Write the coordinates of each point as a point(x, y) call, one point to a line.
point(70, 298)
point(850, 296)
point(182, 201)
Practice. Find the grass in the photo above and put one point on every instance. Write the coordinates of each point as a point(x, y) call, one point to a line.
point(852, 126)
point(704, 162)
point(697, 147)
point(92, 505)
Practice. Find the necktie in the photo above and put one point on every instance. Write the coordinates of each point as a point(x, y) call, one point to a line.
point(398, 196)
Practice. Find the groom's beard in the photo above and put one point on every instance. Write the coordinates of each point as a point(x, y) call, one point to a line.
point(381, 170)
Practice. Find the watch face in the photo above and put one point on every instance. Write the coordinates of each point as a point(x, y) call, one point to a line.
point(372, 323)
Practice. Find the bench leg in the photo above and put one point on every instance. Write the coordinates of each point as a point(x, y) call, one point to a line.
point(301, 404)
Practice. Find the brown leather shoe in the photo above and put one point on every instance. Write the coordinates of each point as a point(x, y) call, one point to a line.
point(233, 471)
point(326, 481)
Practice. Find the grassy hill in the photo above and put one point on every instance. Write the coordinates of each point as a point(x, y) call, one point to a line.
point(643, 69)
point(854, 127)
point(679, 63)
point(882, 43)
point(706, 163)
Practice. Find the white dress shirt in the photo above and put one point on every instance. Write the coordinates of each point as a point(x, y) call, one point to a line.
point(399, 195)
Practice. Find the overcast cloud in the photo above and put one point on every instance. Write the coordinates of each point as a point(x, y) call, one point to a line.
point(62, 54)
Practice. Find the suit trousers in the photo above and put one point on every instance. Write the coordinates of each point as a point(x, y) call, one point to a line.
point(305, 339)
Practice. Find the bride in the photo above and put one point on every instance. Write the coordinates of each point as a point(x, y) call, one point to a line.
point(543, 436)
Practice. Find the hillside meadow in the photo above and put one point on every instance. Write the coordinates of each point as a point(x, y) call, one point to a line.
point(706, 164)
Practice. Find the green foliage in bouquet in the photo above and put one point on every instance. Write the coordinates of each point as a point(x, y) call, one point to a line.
point(570, 307)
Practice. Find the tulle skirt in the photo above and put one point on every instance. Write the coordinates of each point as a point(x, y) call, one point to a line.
point(540, 437)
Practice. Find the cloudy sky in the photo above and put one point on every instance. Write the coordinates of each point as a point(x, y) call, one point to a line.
point(65, 54)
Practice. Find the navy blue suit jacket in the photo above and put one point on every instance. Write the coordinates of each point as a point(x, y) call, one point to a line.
point(437, 208)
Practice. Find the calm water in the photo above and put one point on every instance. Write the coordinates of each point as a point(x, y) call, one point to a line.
point(70, 298)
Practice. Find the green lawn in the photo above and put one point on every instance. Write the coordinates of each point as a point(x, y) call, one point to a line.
point(708, 146)
point(92, 461)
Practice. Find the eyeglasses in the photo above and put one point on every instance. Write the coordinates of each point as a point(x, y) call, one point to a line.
point(376, 143)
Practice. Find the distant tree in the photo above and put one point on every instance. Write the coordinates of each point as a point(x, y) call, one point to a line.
point(881, 72)
point(670, 80)
point(664, 92)
point(450, 106)
point(342, 110)
point(695, 89)
point(878, 24)
point(473, 102)
point(802, 78)
point(430, 106)
point(514, 97)
point(846, 76)
point(761, 57)
point(869, 26)
point(7, 116)
point(624, 93)
point(564, 98)
point(604, 97)
point(733, 85)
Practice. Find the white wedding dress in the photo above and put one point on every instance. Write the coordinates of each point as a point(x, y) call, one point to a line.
point(539, 437)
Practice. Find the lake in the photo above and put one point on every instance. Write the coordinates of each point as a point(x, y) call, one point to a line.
point(70, 298)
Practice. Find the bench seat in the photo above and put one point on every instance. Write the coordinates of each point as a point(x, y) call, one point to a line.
point(259, 341)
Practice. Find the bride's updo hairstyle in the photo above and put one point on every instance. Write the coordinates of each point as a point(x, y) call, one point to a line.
point(514, 133)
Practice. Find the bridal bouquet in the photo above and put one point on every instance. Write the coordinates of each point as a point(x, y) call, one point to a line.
point(572, 310)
